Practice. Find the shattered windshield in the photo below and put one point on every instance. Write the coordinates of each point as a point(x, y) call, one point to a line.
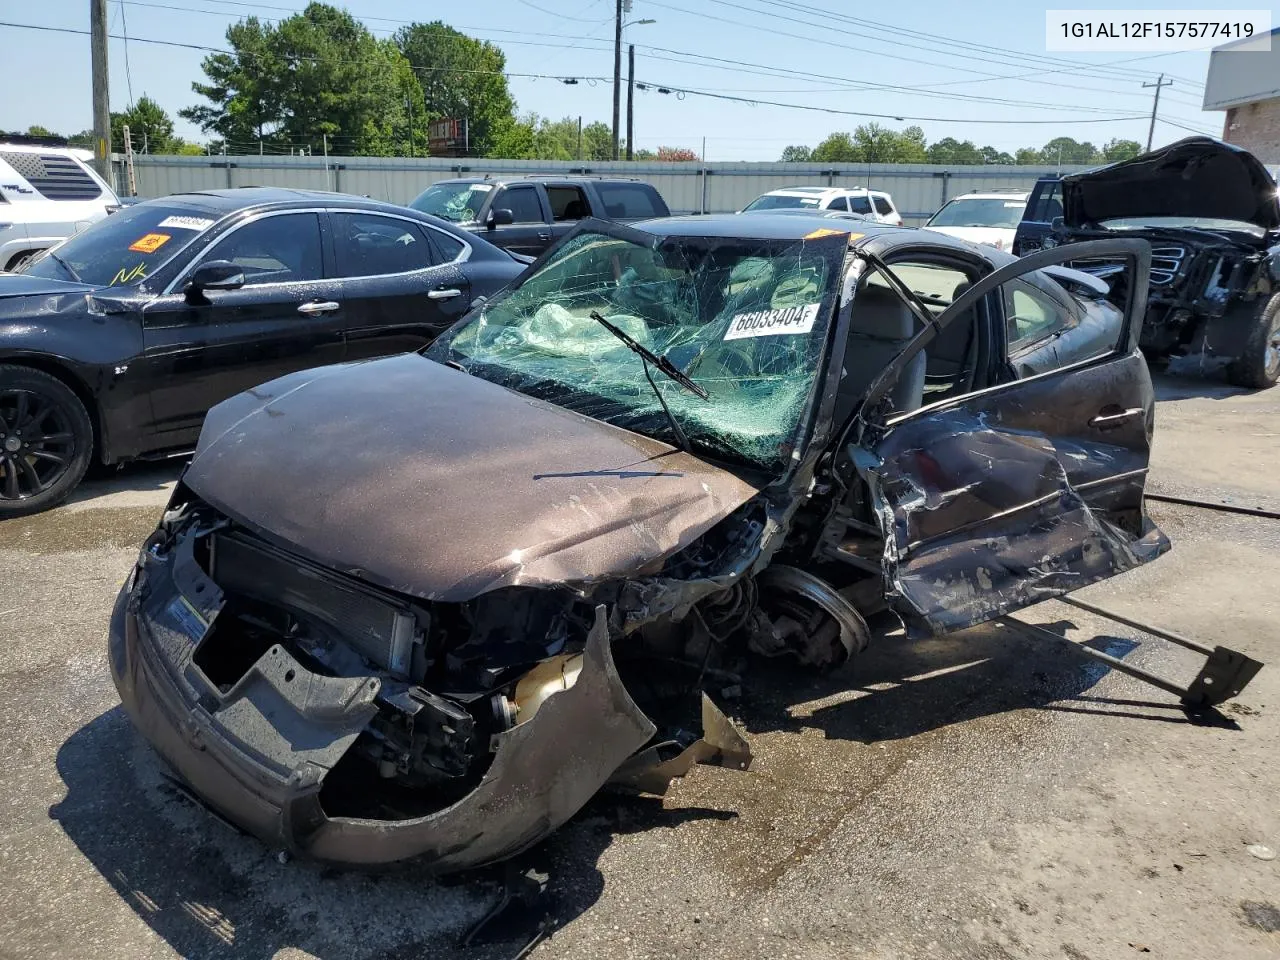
point(746, 320)
point(456, 202)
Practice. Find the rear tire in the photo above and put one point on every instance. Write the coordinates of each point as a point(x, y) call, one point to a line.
point(46, 440)
point(1258, 366)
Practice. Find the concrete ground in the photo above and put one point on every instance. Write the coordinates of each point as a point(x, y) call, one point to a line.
point(978, 796)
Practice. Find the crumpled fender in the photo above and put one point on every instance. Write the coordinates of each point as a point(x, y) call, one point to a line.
point(544, 771)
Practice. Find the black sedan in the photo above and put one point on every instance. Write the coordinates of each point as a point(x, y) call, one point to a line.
point(115, 343)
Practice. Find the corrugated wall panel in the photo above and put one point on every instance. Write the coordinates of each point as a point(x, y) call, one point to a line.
point(918, 189)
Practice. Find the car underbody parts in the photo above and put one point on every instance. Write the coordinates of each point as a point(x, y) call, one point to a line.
point(1213, 505)
point(1224, 675)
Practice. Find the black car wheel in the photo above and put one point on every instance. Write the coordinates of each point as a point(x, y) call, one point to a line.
point(1259, 364)
point(46, 440)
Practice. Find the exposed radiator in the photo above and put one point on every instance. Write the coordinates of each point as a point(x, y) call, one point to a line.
point(370, 624)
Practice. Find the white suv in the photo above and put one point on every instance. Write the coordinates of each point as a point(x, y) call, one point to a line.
point(872, 204)
point(47, 193)
point(991, 218)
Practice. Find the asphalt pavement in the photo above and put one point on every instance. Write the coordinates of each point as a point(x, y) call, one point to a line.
point(982, 795)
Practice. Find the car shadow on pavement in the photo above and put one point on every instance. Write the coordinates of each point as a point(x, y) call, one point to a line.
point(1185, 380)
point(142, 477)
point(210, 891)
point(898, 688)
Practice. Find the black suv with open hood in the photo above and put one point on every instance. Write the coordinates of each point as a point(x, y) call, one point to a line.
point(1209, 210)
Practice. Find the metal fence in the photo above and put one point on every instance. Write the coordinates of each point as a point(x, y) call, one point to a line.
point(918, 189)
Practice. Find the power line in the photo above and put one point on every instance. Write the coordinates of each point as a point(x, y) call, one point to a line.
point(987, 50)
point(572, 78)
point(738, 66)
point(128, 74)
point(561, 16)
point(679, 91)
point(774, 31)
point(860, 113)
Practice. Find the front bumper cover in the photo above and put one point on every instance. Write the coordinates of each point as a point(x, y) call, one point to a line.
point(258, 753)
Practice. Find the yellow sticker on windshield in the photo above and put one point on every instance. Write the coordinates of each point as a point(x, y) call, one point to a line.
point(822, 232)
point(150, 242)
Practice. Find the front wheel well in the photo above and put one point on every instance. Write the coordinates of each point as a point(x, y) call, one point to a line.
point(78, 387)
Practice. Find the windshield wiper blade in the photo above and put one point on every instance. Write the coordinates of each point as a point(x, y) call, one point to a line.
point(662, 363)
point(647, 357)
point(65, 266)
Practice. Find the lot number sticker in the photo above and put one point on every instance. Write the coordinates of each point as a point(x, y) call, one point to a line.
point(186, 223)
point(149, 243)
point(767, 323)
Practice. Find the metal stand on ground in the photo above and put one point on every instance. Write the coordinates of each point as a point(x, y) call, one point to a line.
point(1224, 675)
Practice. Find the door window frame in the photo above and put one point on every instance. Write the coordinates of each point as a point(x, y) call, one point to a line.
point(543, 205)
point(427, 229)
point(326, 254)
point(1137, 252)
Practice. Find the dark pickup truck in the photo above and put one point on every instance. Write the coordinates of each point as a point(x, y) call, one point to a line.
point(528, 214)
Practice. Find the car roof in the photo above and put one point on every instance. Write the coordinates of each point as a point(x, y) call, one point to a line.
point(879, 238)
point(543, 178)
point(817, 191)
point(994, 195)
point(223, 202)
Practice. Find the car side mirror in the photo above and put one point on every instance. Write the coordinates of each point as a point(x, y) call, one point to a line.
point(500, 217)
point(1057, 224)
point(215, 275)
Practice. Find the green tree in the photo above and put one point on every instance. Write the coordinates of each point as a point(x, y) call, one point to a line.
point(1067, 150)
point(462, 77)
point(513, 138)
point(877, 144)
point(597, 141)
point(992, 155)
point(1116, 150)
point(150, 128)
point(796, 154)
point(837, 148)
point(35, 130)
point(951, 150)
point(244, 88)
point(1028, 156)
point(316, 75)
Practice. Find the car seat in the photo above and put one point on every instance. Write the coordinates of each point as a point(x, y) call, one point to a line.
point(573, 210)
point(949, 356)
point(880, 325)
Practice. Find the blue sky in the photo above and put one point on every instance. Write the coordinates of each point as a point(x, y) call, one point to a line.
point(766, 49)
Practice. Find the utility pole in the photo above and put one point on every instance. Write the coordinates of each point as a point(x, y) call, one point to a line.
point(101, 95)
point(1151, 130)
point(579, 137)
point(617, 72)
point(631, 93)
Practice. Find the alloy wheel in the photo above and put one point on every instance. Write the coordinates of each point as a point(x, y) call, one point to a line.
point(37, 442)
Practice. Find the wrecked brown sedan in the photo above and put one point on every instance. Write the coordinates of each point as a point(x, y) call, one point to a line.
point(426, 606)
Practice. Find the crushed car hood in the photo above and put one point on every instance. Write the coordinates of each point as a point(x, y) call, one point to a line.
point(1195, 177)
point(435, 483)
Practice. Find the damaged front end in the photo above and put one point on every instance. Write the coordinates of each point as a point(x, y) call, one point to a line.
point(347, 723)
point(1210, 212)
